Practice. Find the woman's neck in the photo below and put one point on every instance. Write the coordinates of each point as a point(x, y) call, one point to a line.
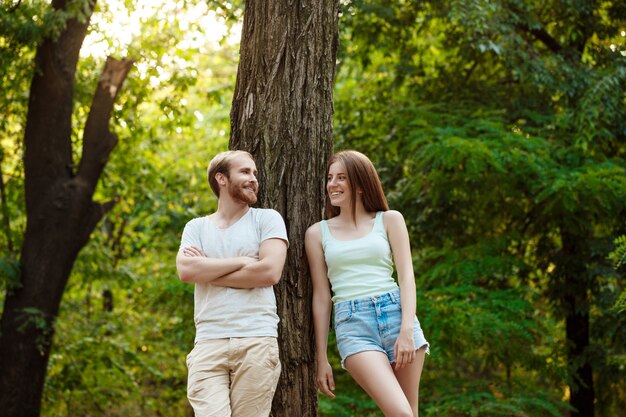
point(360, 215)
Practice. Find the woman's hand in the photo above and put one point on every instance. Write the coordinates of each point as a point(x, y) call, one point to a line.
point(325, 380)
point(404, 349)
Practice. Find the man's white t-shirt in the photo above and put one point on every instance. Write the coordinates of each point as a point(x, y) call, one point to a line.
point(221, 312)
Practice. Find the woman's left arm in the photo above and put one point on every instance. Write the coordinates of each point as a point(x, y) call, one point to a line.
point(404, 350)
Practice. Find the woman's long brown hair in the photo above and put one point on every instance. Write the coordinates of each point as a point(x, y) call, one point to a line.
point(362, 177)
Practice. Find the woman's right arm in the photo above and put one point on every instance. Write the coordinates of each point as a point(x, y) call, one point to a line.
point(322, 306)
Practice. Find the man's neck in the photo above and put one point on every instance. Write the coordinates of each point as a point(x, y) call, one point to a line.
point(228, 212)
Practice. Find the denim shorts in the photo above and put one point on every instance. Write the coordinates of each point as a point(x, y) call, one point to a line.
point(372, 323)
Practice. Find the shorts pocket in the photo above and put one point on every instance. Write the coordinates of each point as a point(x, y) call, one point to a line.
point(188, 358)
point(393, 308)
point(272, 360)
point(342, 317)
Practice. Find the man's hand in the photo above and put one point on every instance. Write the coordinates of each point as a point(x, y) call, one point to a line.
point(264, 272)
point(194, 266)
point(193, 251)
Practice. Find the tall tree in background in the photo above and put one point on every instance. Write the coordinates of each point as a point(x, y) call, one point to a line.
point(60, 211)
point(283, 114)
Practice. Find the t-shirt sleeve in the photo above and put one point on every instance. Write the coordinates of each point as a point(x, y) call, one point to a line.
point(273, 226)
point(191, 235)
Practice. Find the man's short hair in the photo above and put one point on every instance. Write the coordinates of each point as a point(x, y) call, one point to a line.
point(221, 164)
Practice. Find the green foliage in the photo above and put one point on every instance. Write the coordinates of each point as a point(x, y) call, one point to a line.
point(481, 403)
point(486, 351)
point(131, 356)
point(10, 274)
point(33, 317)
point(619, 255)
point(25, 23)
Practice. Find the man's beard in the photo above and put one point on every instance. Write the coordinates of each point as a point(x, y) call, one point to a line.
point(237, 193)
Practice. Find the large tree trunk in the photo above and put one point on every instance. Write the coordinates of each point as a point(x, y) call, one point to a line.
point(60, 212)
point(283, 114)
point(575, 305)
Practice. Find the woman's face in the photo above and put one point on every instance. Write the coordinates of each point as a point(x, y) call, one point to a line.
point(338, 185)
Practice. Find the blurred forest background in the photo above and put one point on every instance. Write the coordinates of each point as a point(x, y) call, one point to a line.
point(499, 131)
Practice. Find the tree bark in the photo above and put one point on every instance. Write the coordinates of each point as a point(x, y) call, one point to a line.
point(283, 114)
point(60, 212)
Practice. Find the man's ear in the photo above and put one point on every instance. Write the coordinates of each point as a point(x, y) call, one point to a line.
point(221, 178)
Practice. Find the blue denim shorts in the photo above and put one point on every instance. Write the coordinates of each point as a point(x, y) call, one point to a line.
point(372, 323)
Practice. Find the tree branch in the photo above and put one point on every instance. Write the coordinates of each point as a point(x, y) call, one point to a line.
point(98, 141)
point(97, 212)
point(547, 40)
point(544, 37)
point(48, 130)
point(14, 7)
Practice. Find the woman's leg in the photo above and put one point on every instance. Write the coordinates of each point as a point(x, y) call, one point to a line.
point(373, 372)
point(409, 379)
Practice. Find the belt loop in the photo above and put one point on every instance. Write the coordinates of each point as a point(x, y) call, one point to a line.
point(394, 298)
point(352, 306)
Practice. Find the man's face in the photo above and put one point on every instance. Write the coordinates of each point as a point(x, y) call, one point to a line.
point(242, 184)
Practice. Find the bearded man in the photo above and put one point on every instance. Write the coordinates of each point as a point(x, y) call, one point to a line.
point(233, 257)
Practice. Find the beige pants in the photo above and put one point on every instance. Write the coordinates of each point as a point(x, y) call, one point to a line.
point(233, 377)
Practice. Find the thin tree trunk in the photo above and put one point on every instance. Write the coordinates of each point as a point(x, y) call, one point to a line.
point(60, 212)
point(575, 304)
point(283, 114)
point(582, 392)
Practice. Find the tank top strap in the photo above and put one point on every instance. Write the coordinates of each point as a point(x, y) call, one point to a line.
point(378, 221)
point(325, 232)
point(379, 224)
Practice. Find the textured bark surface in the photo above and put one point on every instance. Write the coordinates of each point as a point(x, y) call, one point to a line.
point(283, 114)
point(60, 212)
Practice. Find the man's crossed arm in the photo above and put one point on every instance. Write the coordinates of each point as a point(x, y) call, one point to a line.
point(236, 272)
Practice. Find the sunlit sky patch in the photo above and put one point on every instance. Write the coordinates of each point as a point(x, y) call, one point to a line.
point(118, 33)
